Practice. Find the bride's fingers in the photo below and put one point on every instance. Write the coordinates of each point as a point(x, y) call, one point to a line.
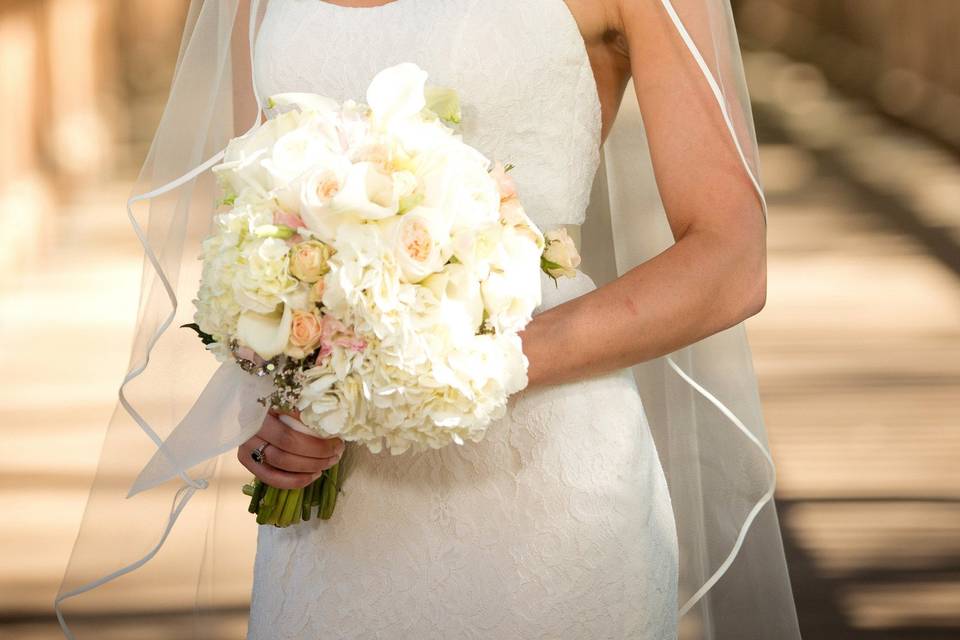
point(293, 413)
point(286, 461)
point(269, 474)
point(302, 444)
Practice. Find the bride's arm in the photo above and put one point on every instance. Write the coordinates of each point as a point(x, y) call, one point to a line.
point(714, 276)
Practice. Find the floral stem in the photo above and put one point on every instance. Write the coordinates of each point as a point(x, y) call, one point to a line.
point(298, 511)
point(289, 506)
point(306, 509)
point(278, 507)
point(330, 493)
point(270, 496)
point(259, 488)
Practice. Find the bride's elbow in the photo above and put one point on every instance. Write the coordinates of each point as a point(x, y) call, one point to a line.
point(742, 278)
point(736, 268)
point(752, 289)
point(756, 298)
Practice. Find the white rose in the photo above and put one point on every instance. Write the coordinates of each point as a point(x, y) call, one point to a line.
point(293, 155)
point(418, 238)
point(263, 137)
point(397, 92)
point(242, 171)
point(316, 192)
point(245, 179)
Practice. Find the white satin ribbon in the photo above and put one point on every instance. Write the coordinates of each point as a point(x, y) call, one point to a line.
point(226, 414)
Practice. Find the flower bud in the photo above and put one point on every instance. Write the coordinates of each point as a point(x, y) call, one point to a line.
point(560, 257)
point(309, 260)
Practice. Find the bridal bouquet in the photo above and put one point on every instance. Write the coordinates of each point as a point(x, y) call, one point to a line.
point(378, 268)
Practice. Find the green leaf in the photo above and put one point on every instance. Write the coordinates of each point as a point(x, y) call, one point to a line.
point(548, 264)
point(206, 338)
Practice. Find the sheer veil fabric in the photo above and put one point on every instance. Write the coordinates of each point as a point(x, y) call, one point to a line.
point(150, 524)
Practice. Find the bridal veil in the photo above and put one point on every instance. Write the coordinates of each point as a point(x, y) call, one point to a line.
point(152, 531)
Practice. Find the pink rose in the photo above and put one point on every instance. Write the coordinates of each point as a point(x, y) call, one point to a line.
point(306, 331)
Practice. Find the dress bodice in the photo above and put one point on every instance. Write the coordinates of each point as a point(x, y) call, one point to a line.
point(527, 89)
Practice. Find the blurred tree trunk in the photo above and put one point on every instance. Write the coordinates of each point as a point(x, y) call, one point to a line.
point(83, 84)
point(900, 55)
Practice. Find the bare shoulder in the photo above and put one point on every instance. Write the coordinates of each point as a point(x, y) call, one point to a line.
point(627, 39)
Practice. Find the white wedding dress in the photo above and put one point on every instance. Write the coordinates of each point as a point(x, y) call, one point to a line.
point(558, 524)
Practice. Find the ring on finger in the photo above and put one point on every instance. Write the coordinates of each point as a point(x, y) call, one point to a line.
point(257, 454)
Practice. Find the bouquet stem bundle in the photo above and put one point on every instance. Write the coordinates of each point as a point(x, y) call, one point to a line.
point(285, 507)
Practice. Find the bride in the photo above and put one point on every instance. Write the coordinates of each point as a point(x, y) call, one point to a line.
point(616, 494)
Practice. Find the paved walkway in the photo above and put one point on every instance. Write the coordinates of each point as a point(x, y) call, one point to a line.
point(858, 353)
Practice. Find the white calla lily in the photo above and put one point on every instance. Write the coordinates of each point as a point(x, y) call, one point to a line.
point(368, 192)
point(267, 334)
point(397, 92)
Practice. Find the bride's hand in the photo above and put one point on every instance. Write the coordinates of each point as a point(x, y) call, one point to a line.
point(292, 460)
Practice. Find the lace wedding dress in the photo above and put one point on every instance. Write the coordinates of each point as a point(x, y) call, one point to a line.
point(558, 524)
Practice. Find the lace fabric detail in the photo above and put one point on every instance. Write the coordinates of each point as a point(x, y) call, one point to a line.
point(559, 523)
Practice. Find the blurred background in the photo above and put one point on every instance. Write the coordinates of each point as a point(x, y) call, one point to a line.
point(857, 105)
